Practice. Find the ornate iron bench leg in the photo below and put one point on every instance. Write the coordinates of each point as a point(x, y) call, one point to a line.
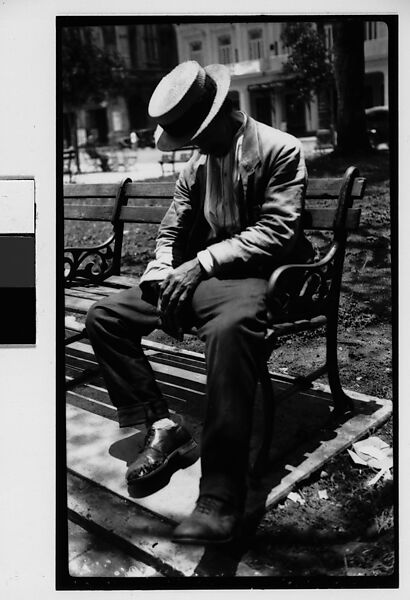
point(268, 400)
point(342, 402)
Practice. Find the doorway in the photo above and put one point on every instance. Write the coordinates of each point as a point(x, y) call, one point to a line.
point(295, 115)
point(262, 107)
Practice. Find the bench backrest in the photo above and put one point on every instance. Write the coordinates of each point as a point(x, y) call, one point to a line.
point(329, 206)
point(148, 202)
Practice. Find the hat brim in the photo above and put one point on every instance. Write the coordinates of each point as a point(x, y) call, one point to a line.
point(222, 78)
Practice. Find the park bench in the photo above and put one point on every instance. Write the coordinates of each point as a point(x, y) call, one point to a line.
point(94, 272)
point(324, 140)
point(69, 157)
point(177, 156)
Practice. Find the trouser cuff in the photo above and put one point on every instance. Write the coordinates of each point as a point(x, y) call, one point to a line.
point(138, 414)
point(221, 488)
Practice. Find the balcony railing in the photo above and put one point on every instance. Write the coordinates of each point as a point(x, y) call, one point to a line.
point(273, 64)
point(245, 67)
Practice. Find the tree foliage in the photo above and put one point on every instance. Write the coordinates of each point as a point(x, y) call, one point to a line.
point(309, 62)
point(312, 67)
point(89, 73)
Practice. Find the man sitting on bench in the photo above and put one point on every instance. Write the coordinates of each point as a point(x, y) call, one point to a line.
point(235, 216)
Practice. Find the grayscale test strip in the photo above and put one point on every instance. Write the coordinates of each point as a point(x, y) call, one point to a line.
point(17, 261)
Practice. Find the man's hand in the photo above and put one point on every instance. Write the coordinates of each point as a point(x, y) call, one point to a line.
point(177, 287)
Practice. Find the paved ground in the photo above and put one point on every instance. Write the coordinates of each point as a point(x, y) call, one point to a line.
point(91, 556)
point(144, 164)
point(139, 164)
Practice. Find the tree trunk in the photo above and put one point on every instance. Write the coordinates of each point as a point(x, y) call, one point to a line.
point(348, 38)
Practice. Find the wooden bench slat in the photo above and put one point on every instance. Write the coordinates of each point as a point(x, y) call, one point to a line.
point(143, 214)
point(315, 218)
point(140, 189)
point(317, 188)
point(90, 295)
point(129, 214)
point(323, 218)
point(90, 190)
point(80, 305)
point(330, 187)
point(115, 283)
point(122, 281)
point(101, 290)
point(87, 212)
point(151, 189)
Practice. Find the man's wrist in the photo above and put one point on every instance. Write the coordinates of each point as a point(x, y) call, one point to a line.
point(205, 260)
point(199, 268)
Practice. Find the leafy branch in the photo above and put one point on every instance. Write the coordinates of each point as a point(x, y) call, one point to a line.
point(309, 62)
point(89, 73)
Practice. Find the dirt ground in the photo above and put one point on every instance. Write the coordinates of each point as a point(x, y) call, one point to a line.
point(352, 532)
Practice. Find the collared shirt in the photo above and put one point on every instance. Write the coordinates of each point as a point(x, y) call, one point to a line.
point(222, 196)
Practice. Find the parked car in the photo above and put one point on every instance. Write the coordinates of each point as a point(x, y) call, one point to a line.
point(377, 119)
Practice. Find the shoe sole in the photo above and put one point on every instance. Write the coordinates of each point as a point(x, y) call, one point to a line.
point(181, 451)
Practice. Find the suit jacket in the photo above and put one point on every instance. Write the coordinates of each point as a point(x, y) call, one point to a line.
point(273, 182)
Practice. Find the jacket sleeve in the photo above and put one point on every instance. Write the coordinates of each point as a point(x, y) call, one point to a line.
point(274, 234)
point(173, 230)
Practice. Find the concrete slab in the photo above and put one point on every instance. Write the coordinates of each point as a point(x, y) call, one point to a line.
point(140, 531)
point(90, 556)
point(99, 450)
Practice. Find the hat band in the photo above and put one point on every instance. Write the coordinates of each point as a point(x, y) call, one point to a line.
point(193, 118)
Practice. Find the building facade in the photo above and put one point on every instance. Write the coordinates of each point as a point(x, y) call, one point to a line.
point(255, 56)
point(376, 64)
point(253, 52)
point(148, 51)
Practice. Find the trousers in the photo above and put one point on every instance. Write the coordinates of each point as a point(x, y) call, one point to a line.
point(231, 318)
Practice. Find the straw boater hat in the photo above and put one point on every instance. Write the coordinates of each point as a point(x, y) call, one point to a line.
point(185, 101)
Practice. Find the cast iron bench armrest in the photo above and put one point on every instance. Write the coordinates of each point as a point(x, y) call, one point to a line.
point(90, 248)
point(81, 261)
point(310, 267)
point(98, 262)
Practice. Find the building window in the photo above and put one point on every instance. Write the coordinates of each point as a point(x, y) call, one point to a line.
point(195, 52)
point(151, 47)
point(109, 38)
point(116, 120)
point(225, 49)
point(370, 30)
point(132, 40)
point(255, 44)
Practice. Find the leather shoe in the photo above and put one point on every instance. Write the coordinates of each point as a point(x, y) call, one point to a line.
point(160, 446)
point(212, 521)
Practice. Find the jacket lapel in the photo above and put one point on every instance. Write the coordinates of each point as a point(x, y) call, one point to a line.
point(251, 157)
